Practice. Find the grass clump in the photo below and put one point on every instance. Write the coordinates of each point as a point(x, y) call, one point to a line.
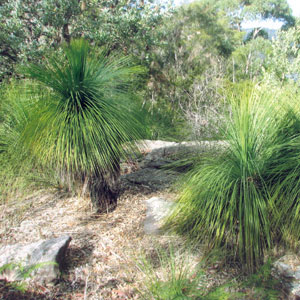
point(245, 198)
point(170, 275)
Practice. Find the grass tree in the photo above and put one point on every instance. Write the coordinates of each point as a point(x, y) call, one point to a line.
point(84, 123)
point(246, 198)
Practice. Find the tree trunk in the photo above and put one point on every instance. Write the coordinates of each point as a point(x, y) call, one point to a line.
point(66, 34)
point(104, 190)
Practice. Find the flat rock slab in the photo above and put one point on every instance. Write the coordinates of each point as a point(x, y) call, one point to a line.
point(46, 255)
point(152, 171)
point(157, 210)
point(161, 153)
point(150, 145)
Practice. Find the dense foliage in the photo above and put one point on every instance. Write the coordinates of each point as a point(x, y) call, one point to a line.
point(30, 28)
point(241, 10)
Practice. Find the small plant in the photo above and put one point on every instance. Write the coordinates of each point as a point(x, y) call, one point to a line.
point(170, 275)
point(264, 283)
point(260, 285)
point(16, 273)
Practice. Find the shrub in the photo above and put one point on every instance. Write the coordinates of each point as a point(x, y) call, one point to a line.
point(81, 123)
point(242, 198)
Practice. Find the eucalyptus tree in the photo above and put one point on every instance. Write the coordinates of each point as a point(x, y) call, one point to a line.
point(29, 28)
point(196, 40)
point(250, 60)
point(284, 59)
point(84, 124)
point(245, 10)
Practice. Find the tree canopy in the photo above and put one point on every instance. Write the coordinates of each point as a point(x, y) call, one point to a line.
point(243, 10)
point(30, 28)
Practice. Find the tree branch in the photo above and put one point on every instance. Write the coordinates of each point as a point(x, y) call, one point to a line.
point(7, 54)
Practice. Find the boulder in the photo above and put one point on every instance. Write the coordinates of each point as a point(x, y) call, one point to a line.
point(45, 256)
point(157, 209)
point(287, 270)
point(151, 172)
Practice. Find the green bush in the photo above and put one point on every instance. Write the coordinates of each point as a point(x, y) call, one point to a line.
point(260, 285)
point(245, 198)
point(80, 121)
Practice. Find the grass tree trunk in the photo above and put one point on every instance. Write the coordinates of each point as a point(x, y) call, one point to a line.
point(104, 190)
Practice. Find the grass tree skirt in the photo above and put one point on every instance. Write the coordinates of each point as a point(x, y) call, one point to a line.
point(104, 191)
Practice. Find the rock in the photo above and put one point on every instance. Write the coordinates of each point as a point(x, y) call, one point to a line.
point(152, 172)
point(157, 163)
point(287, 270)
point(157, 209)
point(51, 252)
point(152, 178)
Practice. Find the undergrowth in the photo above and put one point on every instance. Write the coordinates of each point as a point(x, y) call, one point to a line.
point(170, 274)
point(260, 285)
point(15, 274)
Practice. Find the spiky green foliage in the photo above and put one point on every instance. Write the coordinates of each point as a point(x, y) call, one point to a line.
point(84, 121)
point(12, 120)
point(17, 271)
point(170, 274)
point(18, 171)
point(237, 199)
point(286, 176)
point(74, 122)
point(14, 114)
